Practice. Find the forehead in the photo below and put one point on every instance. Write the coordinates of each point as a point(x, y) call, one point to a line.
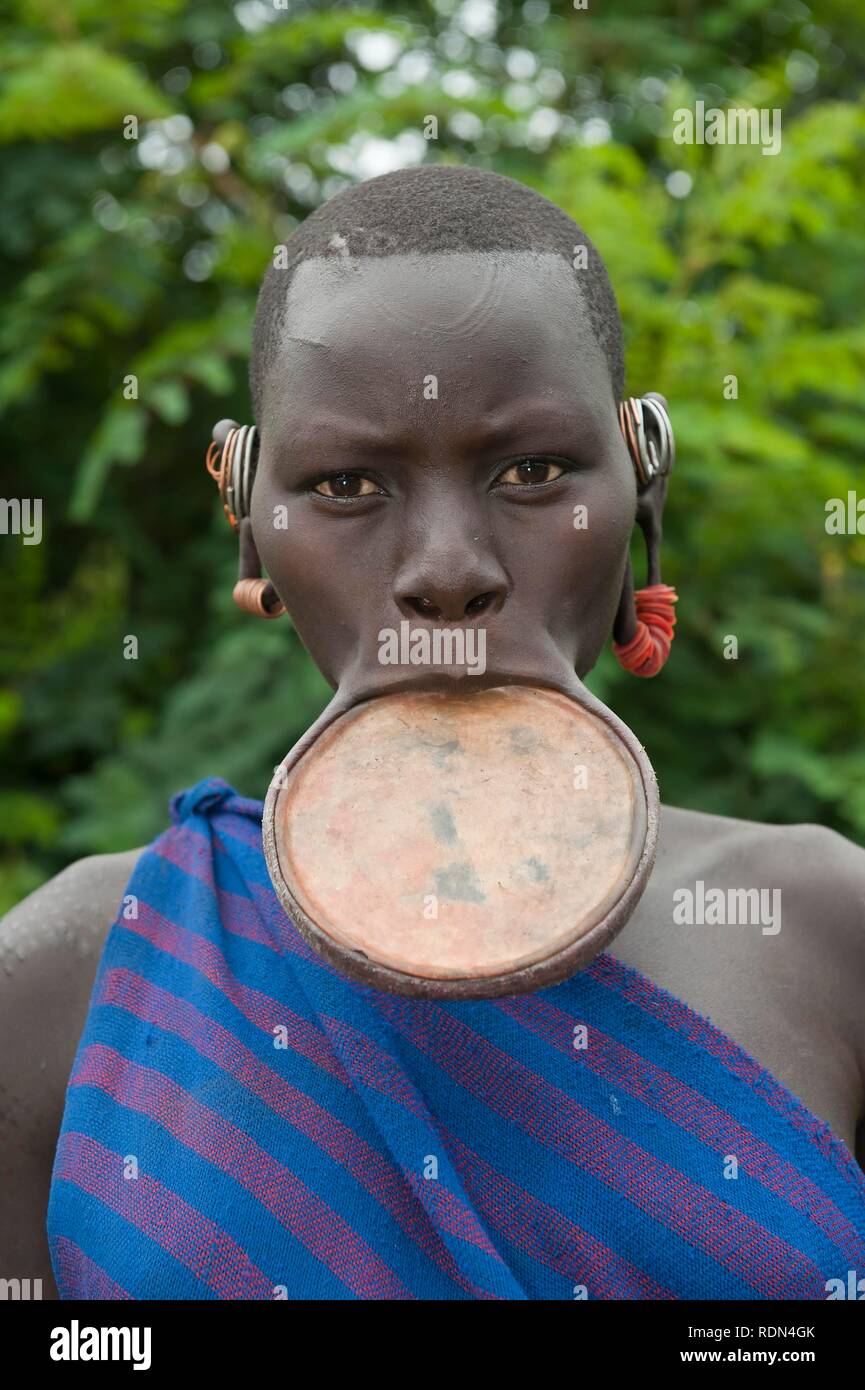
point(440, 310)
point(370, 331)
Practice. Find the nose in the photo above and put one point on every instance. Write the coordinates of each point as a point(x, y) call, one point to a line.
point(451, 585)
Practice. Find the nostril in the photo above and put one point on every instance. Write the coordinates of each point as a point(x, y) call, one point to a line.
point(479, 604)
point(424, 607)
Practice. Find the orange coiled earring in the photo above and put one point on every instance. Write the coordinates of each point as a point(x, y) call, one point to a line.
point(253, 596)
point(648, 435)
point(649, 648)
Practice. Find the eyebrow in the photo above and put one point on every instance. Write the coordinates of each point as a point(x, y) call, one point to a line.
point(536, 415)
point(525, 415)
point(346, 432)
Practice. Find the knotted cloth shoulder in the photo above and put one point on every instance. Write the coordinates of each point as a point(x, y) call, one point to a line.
point(243, 1123)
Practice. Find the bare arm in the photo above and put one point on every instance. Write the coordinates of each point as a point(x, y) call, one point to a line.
point(50, 946)
point(822, 875)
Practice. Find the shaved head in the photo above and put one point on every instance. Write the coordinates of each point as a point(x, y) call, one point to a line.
point(437, 208)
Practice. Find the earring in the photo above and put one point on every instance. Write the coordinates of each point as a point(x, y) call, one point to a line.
point(648, 435)
point(646, 619)
point(231, 461)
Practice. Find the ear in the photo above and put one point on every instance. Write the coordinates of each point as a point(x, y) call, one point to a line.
point(252, 593)
point(221, 431)
point(625, 621)
point(231, 462)
point(648, 435)
point(650, 516)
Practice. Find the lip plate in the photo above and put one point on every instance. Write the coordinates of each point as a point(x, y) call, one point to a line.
point(589, 938)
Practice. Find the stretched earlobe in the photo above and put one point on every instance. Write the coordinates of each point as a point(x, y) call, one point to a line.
point(252, 593)
point(231, 461)
point(644, 623)
point(625, 621)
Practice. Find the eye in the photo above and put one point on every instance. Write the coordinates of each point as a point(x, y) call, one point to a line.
point(527, 472)
point(345, 486)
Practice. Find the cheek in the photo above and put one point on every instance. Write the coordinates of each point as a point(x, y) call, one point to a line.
point(573, 562)
point(277, 537)
point(290, 552)
point(604, 551)
point(318, 564)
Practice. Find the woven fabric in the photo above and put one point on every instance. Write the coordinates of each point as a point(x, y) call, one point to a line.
point(242, 1122)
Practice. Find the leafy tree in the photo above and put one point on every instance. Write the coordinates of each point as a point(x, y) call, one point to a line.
point(131, 255)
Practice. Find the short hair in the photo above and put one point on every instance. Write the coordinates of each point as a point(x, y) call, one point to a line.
point(429, 208)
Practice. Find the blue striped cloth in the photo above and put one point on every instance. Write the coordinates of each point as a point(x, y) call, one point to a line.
point(243, 1122)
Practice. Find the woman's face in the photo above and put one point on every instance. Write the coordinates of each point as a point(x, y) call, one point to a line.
point(431, 429)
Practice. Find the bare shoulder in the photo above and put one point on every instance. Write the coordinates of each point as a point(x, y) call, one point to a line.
point(49, 949)
point(803, 857)
point(50, 946)
point(819, 875)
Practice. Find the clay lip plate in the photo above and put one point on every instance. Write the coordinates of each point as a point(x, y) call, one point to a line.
point(459, 841)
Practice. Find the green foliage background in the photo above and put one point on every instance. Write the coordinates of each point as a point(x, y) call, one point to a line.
point(144, 256)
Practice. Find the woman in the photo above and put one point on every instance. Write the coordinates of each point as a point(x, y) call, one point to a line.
point(435, 375)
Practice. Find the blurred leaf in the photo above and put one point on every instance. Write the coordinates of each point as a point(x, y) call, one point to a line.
point(73, 88)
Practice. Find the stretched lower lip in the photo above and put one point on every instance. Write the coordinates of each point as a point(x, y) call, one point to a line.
point(391, 799)
point(448, 679)
point(481, 666)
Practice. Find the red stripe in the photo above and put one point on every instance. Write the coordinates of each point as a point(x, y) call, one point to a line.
point(310, 1220)
point(266, 1013)
point(80, 1277)
point(551, 1117)
point(188, 1236)
point(375, 1068)
point(673, 1013)
point(368, 1061)
point(692, 1111)
point(550, 1237)
point(381, 1179)
point(193, 856)
point(192, 852)
point(261, 1010)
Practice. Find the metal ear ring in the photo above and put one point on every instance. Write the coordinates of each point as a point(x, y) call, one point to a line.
point(232, 466)
point(648, 434)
